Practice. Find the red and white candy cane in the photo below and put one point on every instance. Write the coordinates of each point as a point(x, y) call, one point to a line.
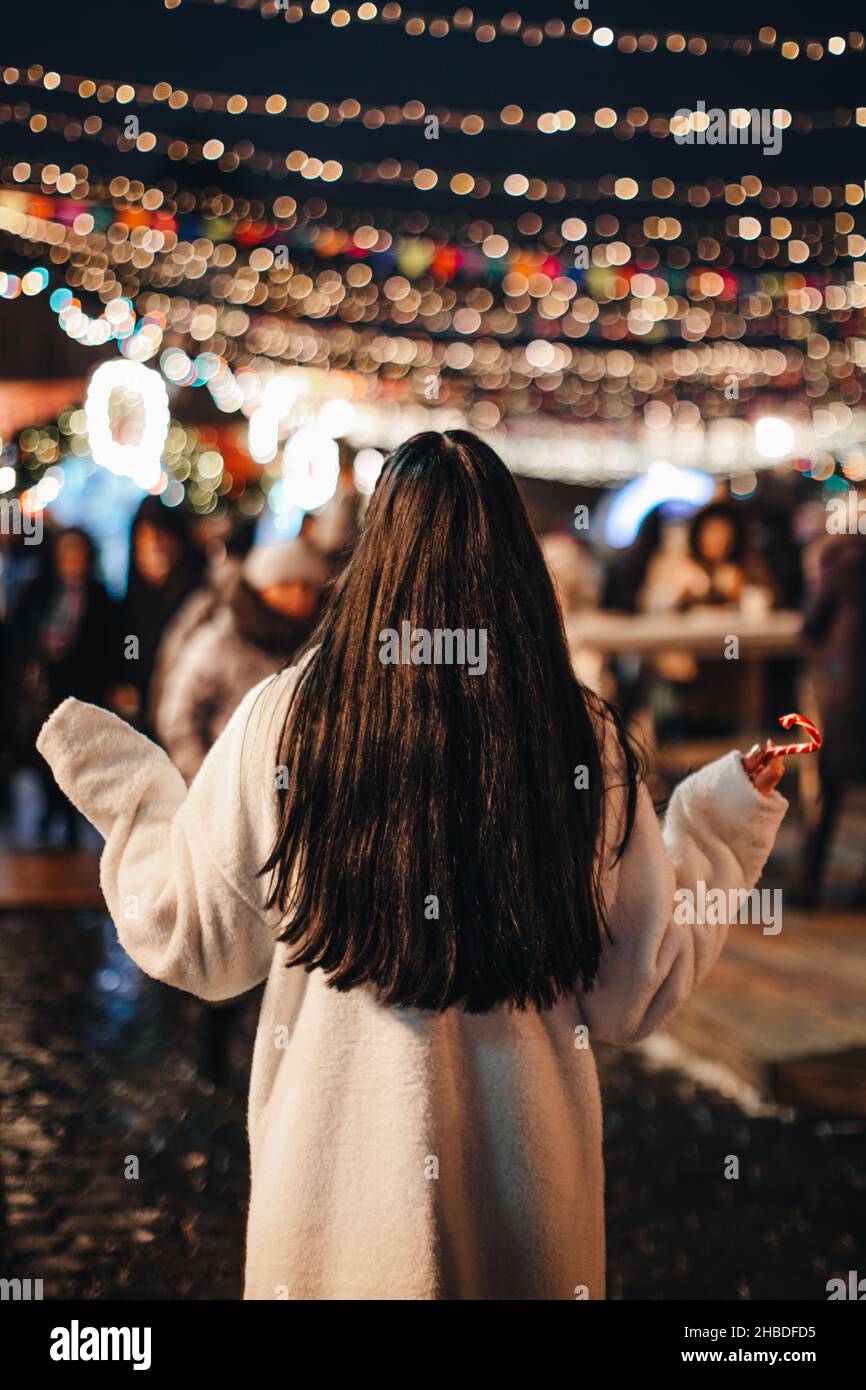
point(784, 750)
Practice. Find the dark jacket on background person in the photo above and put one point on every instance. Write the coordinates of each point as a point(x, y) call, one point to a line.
point(836, 621)
point(242, 643)
point(147, 609)
point(63, 645)
point(198, 608)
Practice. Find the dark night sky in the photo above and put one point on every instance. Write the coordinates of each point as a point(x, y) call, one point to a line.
point(224, 49)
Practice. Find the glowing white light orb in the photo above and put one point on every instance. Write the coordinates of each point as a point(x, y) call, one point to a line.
point(277, 401)
point(48, 489)
point(138, 461)
point(311, 469)
point(774, 438)
point(336, 418)
point(280, 393)
point(367, 467)
point(263, 436)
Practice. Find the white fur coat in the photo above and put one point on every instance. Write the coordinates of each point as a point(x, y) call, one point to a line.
point(398, 1154)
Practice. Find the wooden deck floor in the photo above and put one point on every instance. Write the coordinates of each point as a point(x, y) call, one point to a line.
point(52, 880)
point(788, 1012)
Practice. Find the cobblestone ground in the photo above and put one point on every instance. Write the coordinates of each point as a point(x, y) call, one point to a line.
point(101, 1065)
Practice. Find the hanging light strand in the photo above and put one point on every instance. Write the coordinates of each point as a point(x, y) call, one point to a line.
point(534, 33)
point(414, 114)
point(387, 172)
point(407, 286)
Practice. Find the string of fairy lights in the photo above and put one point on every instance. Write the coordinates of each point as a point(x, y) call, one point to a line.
point(672, 302)
point(237, 333)
point(683, 395)
point(534, 33)
point(413, 113)
point(753, 235)
point(77, 182)
point(484, 285)
point(680, 394)
point(311, 168)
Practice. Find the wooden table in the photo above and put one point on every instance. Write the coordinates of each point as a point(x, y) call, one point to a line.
point(787, 1013)
point(703, 633)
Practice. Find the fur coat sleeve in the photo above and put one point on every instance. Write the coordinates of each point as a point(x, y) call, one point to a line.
point(180, 867)
point(717, 834)
point(179, 870)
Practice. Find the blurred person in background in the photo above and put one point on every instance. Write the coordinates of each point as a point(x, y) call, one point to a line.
point(164, 568)
point(225, 552)
point(707, 564)
point(64, 638)
point(268, 611)
point(577, 580)
point(836, 622)
point(623, 585)
point(717, 566)
point(627, 569)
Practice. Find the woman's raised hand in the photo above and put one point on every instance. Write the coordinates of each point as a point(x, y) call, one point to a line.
point(765, 776)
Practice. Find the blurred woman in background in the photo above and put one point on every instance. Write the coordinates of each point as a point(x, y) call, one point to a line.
point(716, 567)
point(709, 564)
point(269, 611)
point(225, 552)
point(64, 638)
point(164, 568)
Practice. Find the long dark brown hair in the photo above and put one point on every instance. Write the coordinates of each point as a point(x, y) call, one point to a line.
point(435, 839)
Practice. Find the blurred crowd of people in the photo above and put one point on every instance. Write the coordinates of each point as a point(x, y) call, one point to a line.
point(748, 561)
point(208, 613)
